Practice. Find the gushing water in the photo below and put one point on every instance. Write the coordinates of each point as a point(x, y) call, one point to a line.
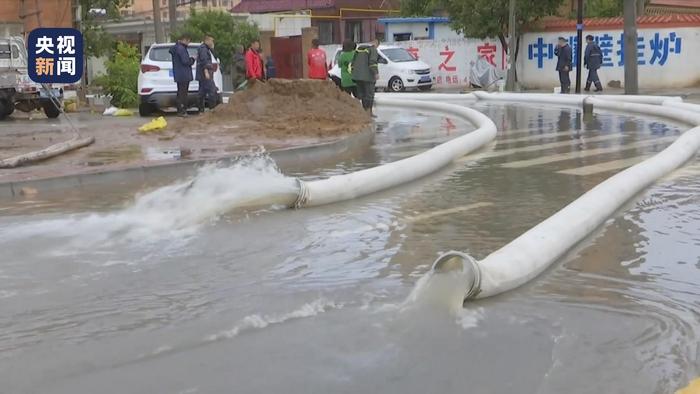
point(179, 209)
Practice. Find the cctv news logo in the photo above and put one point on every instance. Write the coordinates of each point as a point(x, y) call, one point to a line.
point(55, 55)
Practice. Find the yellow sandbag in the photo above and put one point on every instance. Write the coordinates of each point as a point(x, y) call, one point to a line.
point(72, 107)
point(156, 124)
point(693, 388)
point(123, 112)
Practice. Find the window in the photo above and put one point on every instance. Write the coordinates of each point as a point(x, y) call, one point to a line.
point(403, 36)
point(353, 31)
point(325, 32)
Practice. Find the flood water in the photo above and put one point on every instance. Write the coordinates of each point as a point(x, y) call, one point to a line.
point(110, 293)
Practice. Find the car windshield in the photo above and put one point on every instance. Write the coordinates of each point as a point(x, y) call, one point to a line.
point(398, 55)
point(162, 54)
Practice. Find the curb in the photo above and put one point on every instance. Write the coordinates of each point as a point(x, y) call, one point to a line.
point(287, 159)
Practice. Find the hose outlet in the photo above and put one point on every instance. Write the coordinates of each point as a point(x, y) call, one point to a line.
point(465, 265)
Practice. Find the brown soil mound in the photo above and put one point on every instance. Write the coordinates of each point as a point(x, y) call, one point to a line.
point(282, 108)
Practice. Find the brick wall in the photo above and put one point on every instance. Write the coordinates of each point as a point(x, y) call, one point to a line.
point(36, 13)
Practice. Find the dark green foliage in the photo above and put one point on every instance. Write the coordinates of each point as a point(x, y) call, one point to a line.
point(121, 80)
point(227, 32)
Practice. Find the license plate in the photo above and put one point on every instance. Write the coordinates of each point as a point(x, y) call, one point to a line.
point(425, 79)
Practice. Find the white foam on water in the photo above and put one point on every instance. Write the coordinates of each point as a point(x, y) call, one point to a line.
point(257, 321)
point(179, 208)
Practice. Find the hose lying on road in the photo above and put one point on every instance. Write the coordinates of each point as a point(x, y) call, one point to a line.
point(534, 251)
point(371, 180)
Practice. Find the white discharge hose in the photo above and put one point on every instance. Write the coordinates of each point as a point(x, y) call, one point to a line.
point(360, 183)
point(534, 251)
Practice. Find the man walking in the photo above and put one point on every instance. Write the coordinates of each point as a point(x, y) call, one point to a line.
point(592, 60)
point(564, 58)
point(365, 72)
point(316, 59)
point(182, 72)
point(254, 62)
point(205, 74)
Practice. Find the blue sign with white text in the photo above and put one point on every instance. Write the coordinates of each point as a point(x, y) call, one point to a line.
point(55, 55)
point(653, 51)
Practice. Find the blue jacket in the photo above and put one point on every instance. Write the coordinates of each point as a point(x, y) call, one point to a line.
point(564, 57)
point(593, 57)
point(204, 61)
point(182, 63)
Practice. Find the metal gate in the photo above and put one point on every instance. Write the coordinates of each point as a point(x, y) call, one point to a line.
point(286, 53)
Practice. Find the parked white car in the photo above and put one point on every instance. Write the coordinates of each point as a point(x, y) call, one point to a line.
point(398, 70)
point(158, 90)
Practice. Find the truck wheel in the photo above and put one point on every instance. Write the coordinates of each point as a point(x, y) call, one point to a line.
point(396, 85)
point(6, 108)
point(145, 109)
point(50, 110)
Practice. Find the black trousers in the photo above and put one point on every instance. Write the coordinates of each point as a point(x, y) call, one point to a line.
point(365, 92)
point(565, 81)
point(593, 75)
point(207, 94)
point(181, 100)
point(351, 90)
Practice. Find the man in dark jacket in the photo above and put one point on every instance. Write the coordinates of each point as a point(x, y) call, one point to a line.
point(238, 67)
point(205, 74)
point(564, 55)
point(592, 60)
point(365, 72)
point(182, 72)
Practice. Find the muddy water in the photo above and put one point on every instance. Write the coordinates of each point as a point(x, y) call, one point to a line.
point(98, 296)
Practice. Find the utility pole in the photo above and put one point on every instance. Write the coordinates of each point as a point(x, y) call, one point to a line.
point(579, 46)
point(630, 52)
point(510, 77)
point(157, 23)
point(172, 16)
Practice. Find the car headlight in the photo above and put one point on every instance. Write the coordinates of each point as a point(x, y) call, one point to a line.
point(410, 71)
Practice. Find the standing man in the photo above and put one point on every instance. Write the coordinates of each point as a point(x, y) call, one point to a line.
point(316, 59)
point(564, 55)
point(254, 62)
point(182, 72)
point(238, 73)
point(365, 73)
point(592, 60)
point(345, 63)
point(205, 74)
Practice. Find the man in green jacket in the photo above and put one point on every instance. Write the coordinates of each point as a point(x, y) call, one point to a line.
point(365, 72)
point(345, 63)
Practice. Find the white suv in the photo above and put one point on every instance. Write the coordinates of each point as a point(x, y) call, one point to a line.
point(158, 90)
point(398, 70)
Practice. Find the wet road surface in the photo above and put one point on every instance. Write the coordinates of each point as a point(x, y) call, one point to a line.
point(99, 296)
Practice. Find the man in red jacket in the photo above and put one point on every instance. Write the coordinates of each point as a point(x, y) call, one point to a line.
point(316, 59)
point(254, 62)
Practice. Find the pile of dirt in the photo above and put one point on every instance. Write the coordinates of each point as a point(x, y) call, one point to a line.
point(280, 108)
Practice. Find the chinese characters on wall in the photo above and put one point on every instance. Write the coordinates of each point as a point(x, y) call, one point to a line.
point(653, 49)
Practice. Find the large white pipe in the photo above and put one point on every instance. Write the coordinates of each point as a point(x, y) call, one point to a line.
point(570, 99)
point(534, 251)
point(360, 183)
point(429, 96)
point(682, 105)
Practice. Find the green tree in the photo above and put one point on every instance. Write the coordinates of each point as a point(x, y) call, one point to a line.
point(121, 79)
point(419, 7)
point(227, 32)
point(485, 18)
point(603, 8)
